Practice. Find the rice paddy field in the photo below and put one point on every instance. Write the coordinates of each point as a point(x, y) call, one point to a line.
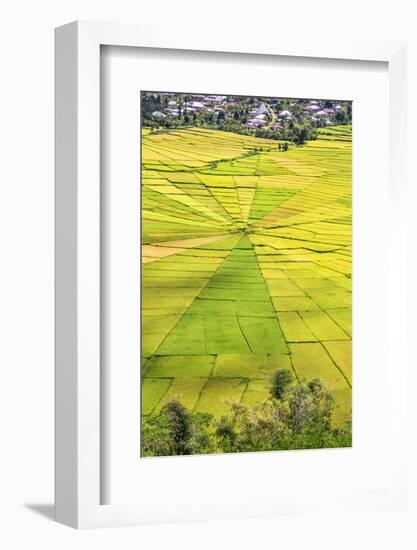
point(246, 267)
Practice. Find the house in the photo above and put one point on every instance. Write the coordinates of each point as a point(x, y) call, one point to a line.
point(285, 114)
point(261, 109)
point(158, 114)
point(260, 117)
point(172, 112)
point(312, 108)
point(255, 123)
point(216, 99)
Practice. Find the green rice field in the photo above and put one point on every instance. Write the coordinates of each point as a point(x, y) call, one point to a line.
point(246, 267)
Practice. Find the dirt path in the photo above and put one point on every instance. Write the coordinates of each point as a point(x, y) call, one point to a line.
point(273, 116)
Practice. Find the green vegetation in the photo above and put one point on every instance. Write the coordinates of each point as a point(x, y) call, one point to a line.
point(280, 382)
point(297, 416)
point(246, 270)
point(288, 120)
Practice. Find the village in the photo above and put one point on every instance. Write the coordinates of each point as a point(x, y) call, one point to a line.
point(272, 115)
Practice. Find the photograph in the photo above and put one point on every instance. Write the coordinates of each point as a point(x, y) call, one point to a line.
point(246, 273)
point(208, 251)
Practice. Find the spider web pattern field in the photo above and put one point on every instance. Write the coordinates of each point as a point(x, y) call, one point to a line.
point(246, 267)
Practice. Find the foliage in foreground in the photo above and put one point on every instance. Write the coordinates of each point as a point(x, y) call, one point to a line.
point(297, 416)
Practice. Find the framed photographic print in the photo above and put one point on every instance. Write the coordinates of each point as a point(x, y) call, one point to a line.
point(246, 273)
point(228, 213)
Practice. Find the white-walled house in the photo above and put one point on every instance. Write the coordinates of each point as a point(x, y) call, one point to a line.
point(197, 105)
point(255, 123)
point(172, 112)
point(312, 108)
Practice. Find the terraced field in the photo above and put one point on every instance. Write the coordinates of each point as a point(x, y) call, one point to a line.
point(246, 267)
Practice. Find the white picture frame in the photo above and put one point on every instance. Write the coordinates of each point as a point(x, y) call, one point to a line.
point(78, 406)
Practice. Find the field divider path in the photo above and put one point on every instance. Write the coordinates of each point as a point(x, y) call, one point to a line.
point(216, 199)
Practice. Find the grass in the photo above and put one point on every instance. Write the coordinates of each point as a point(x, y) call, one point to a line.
point(256, 392)
point(322, 326)
point(250, 365)
point(152, 393)
point(180, 366)
point(294, 328)
point(218, 393)
point(341, 353)
point(310, 360)
point(246, 268)
point(185, 390)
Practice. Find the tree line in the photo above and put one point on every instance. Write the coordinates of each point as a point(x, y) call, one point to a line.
point(233, 117)
point(296, 416)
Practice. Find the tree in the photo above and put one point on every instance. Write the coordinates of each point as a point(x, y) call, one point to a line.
point(179, 423)
point(349, 111)
point(299, 419)
point(300, 407)
point(226, 434)
point(220, 117)
point(342, 116)
point(300, 134)
point(280, 382)
point(176, 431)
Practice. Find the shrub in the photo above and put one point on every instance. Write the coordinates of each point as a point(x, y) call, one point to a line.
point(280, 382)
point(298, 416)
point(176, 431)
point(179, 425)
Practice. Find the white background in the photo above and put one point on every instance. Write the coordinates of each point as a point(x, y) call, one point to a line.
point(26, 301)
